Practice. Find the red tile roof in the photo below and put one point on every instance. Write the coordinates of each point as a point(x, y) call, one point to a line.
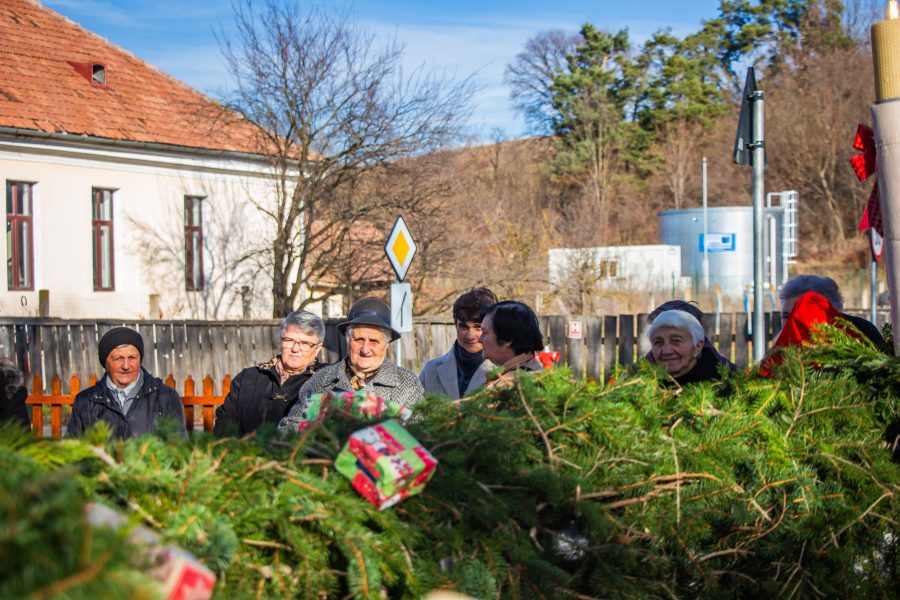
point(40, 88)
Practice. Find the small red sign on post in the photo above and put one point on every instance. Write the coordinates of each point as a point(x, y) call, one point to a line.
point(877, 243)
point(575, 330)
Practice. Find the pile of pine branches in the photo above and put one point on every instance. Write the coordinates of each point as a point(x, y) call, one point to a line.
point(547, 488)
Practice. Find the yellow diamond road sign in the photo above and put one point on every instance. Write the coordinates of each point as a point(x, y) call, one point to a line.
point(400, 248)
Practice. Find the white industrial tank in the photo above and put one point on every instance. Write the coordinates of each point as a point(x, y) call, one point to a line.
point(729, 244)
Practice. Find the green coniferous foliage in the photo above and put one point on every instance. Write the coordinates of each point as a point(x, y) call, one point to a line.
point(46, 548)
point(548, 488)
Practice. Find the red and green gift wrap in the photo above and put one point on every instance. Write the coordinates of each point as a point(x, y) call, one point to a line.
point(179, 574)
point(359, 404)
point(385, 463)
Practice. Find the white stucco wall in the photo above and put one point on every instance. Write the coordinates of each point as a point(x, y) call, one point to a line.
point(636, 267)
point(148, 230)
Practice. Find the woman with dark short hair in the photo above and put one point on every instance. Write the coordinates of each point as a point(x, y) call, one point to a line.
point(510, 335)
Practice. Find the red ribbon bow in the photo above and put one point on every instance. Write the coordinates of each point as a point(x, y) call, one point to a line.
point(864, 165)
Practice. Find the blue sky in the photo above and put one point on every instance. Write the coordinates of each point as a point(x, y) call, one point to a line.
point(460, 37)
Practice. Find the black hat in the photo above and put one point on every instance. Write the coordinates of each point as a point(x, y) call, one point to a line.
point(119, 336)
point(370, 311)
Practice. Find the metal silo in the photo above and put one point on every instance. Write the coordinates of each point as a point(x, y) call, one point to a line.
point(729, 242)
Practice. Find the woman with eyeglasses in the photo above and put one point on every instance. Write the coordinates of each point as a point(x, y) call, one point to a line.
point(265, 393)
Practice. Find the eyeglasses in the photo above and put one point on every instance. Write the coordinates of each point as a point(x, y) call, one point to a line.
point(304, 346)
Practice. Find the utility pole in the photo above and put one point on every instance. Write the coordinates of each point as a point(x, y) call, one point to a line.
point(757, 98)
point(705, 233)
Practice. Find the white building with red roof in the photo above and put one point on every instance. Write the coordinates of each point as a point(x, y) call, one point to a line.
point(128, 194)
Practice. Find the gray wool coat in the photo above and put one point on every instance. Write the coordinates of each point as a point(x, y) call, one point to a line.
point(438, 376)
point(394, 384)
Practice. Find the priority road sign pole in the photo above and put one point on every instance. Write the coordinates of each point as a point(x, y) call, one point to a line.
point(873, 284)
point(757, 99)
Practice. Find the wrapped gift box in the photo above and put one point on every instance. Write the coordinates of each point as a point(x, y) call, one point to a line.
point(359, 404)
point(181, 576)
point(385, 463)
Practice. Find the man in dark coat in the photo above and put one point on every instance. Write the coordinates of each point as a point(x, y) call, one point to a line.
point(127, 397)
point(369, 333)
point(265, 392)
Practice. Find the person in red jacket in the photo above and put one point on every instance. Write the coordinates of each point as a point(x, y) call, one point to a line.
point(828, 289)
point(803, 312)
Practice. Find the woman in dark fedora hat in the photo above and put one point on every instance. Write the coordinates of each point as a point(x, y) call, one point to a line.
point(369, 333)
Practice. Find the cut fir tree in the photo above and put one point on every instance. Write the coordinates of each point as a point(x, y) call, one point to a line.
point(549, 488)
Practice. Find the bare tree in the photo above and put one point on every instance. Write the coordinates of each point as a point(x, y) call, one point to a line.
point(531, 74)
point(679, 141)
point(228, 268)
point(331, 104)
point(810, 122)
point(858, 18)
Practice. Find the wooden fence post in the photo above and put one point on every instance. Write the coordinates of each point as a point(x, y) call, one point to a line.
point(56, 408)
point(189, 409)
point(37, 409)
point(208, 416)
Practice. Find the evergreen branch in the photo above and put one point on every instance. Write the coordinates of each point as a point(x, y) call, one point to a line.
point(592, 495)
point(215, 466)
point(265, 544)
point(760, 410)
point(678, 487)
point(860, 517)
point(76, 579)
point(551, 456)
point(109, 460)
point(364, 580)
point(773, 484)
point(718, 553)
point(799, 403)
point(585, 417)
point(827, 408)
point(797, 568)
point(672, 479)
point(263, 467)
point(727, 438)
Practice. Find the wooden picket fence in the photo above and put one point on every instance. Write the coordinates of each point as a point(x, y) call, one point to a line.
point(58, 403)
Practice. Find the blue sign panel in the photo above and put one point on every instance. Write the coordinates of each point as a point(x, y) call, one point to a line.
point(718, 242)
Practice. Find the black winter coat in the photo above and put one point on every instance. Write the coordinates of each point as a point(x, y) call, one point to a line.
point(257, 396)
point(706, 369)
point(98, 403)
point(12, 406)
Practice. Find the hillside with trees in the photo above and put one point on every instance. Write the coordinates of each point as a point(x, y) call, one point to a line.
point(620, 129)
